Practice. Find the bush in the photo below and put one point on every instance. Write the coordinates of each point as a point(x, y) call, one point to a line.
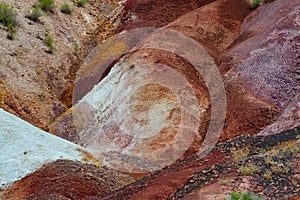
point(239, 155)
point(7, 15)
point(65, 8)
point(49, 42)
point(248, 169)
point(8, 19)
point(254, 4)
point(244, 196)
point(35, 14)
point(11, 33)
point(40, 8)
point(46, 5)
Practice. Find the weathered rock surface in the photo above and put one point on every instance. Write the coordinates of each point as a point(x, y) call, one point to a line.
point(261, 69)
point(132, 102)
point(144, 62)
point(65, 179)
point(34, 83)
point(155, 13)
point(138, 110)
point(25, 148)
point(288, 119)
point(215, 26)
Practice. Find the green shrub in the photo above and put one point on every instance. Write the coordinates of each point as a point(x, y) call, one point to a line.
point(235, 196)
point(7, 15)
point(11, 33)
point(268, 175)
point(8, 19)
point(254, 4)
point(244, 196)
point(35, 14)
point(224, 182)
point(49, 42)
point(80, 2)
point(46, 5)
point(40, 8)
point(65, 8)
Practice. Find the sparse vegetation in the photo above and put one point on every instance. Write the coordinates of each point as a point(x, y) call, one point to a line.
point(11, 33)
point(49, 42)
point(40, 8)
point(268, 175)
point(46, 5)
point(254, 4)
point(80, 3)
point(243, 196)
point(224, 182)
point(279, 168)
point(76, 47)
point(269, 160)
point(8, 19)
point(66, 8)
point(239, 155)
point(7, 15)
point(35, 14)
point(247, 170)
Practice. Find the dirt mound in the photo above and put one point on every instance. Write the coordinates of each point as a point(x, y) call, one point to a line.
point(65, 179)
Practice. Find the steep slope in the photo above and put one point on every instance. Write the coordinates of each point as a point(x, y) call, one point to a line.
point(33, 82)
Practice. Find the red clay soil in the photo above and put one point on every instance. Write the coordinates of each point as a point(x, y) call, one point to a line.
point(156, 13)
point(165, 183)
point(66, 179)
point(185, 178)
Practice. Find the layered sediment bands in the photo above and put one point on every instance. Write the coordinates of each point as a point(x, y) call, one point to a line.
point(259, 68)
point(212, 25)
point(141, 13)
point(149, 107)
point(65, 179)
point(263, 68)
point(34, 84)
point(207, 26)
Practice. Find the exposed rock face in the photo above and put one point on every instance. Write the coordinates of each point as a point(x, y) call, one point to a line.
point(262, 67)
point(288, 119)
point(148, 106)
point(215, 26)
point(24, 148)
point(270, 54)
point(220, 34)
point(193, 178)
point(145, 99)
point(32, 81)
point(253, 71)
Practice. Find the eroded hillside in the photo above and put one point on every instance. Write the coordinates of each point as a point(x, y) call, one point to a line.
point(193, 99)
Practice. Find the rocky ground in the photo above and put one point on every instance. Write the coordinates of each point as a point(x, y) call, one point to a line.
point(274, 175)
point(253, 95)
